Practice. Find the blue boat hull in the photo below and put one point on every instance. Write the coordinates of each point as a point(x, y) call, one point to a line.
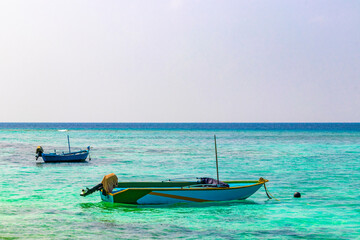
point(69, 157)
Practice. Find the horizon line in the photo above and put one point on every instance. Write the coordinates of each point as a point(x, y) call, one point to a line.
point(191, 122)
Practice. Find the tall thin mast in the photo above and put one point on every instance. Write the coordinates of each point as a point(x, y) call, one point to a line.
point(68, 142)
point(217, 165)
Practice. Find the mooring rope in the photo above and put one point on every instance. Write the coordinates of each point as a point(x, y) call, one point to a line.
point(270, 196)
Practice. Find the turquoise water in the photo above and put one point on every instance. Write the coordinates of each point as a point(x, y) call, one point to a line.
point(39, 200)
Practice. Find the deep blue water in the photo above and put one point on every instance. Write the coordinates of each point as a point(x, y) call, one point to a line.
point(189, 126)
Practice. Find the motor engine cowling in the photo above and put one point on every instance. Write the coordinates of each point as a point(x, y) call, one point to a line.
point(39, 152)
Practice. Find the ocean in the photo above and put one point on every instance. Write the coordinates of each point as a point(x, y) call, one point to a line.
point(320, 160)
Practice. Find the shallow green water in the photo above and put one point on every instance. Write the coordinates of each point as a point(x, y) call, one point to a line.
point(40, 200)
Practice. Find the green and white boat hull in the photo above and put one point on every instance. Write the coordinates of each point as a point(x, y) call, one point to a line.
point(179, 192)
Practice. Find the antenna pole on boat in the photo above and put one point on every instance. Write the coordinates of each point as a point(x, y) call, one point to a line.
point(68, 142)
point(217, 165)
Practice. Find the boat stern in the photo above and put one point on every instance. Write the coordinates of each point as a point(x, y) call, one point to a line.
point(107, 197)
point(39, 151)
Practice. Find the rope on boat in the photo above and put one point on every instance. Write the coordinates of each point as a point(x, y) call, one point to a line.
point(270, 196)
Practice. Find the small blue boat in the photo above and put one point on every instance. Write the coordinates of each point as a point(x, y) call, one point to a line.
point(79, 156)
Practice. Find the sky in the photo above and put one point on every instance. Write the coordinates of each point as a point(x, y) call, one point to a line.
point(179, 61)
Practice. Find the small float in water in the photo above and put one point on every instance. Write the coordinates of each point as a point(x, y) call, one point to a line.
point(169, 192)
point(79, 156)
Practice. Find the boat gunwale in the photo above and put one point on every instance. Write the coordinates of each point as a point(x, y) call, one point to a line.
point(188, 188)
point(66, 154)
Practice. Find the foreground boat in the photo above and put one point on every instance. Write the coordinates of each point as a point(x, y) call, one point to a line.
point(168, 192)
point(79, 156)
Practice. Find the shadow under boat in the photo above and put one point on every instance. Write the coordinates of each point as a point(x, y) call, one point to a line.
point(136, 207)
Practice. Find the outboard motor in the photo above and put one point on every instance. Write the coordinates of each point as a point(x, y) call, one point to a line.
point(108, 183)
point(39, 152)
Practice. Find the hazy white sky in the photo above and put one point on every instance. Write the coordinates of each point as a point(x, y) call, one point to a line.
point(179, 61)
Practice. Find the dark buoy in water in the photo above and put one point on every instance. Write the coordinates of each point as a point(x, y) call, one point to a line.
point(297, 195)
